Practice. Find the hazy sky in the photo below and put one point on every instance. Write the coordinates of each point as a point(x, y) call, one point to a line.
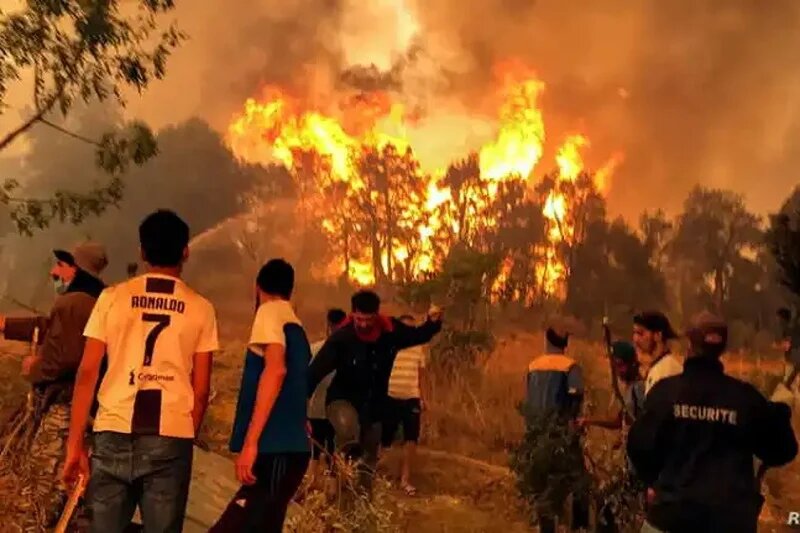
point(692, 91)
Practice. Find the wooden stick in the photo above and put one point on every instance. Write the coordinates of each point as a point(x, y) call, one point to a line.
point(72, 503)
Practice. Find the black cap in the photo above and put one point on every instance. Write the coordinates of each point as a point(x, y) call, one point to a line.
point(657, 322)
point(709, 330)
point(623, 351)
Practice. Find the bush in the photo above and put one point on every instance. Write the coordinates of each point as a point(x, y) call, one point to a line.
point(549, 465)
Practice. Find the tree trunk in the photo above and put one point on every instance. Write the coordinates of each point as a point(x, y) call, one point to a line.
point(719, 289)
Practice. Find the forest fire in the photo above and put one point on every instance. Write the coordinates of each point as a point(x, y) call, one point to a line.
point(386, 217)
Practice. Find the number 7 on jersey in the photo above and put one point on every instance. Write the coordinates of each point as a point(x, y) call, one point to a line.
point(161, 321)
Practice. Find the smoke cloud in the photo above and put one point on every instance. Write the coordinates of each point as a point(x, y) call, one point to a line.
point(692, 91)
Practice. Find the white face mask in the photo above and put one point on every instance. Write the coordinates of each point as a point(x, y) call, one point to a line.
point(60, 285)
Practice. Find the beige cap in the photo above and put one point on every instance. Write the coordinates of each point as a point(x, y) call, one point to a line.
point(89, 256)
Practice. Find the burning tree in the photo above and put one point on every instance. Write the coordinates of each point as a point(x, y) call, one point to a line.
point(390, 221)
point(389, 210)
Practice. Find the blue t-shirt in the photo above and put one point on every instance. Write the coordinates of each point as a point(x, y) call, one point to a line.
point(285, 430)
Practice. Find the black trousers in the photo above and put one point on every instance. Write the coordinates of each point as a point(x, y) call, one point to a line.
point(262, 507)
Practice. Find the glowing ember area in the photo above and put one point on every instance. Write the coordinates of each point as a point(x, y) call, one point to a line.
point(389, 220)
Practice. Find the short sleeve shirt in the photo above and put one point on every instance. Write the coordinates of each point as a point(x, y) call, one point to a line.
point(404, 380)
point(152, 327)
point(285, 431)
point(669, 365)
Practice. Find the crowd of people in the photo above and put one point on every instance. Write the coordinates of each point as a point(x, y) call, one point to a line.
point(132, 362)
point(691, 431)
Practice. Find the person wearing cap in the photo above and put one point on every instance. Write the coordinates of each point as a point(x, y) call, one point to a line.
point(554, 396)
point(554, 382)
point(695, 442)
point(626, 366)
point(52, 370)
point(652, 333)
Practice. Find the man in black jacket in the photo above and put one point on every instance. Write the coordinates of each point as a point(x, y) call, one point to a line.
point(362, 352)
point(695, 442)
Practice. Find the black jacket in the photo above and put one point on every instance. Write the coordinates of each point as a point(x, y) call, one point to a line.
point(363, 368)
point(695, 443)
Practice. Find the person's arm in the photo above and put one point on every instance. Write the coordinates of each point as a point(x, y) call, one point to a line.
point(269, 386)
point(83, 394)
point(410, 336)
point(774, 438)
point(644, 445)
point(575, 391)
point(22, 328)
point(323, 364)
point(61, 356)
point(208, 343)
point(201, 385)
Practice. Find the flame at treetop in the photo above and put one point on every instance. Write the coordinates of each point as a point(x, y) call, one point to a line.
point(276, 128)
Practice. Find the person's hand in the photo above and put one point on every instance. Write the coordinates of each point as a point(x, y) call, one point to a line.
point(244, 464)
point(435, 313)
point(651, 496)
point(27, 364)
point(76, 466)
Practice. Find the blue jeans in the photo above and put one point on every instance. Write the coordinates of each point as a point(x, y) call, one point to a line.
point(146, 470)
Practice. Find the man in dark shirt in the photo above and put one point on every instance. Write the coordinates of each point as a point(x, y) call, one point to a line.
point(51, 370)
point(362, 352)
point(695, 442)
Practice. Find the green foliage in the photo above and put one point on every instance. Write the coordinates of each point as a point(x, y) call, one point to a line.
point(79, 51)
point(621, 498)
point(783, 239)
point(713, 239)
point(462, 287)
point(353, 511)
point(549, 466)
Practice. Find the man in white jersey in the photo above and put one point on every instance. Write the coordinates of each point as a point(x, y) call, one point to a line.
point(158, 335)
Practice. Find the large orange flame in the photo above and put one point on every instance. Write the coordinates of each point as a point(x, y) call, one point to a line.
point(276, 129)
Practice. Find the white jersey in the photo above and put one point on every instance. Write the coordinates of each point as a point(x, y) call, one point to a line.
point(152, 326)
point(669, 365)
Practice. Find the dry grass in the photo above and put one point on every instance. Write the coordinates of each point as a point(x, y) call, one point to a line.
point(468, 414)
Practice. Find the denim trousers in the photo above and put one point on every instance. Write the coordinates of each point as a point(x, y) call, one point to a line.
point(148, 471)
point(357, 441)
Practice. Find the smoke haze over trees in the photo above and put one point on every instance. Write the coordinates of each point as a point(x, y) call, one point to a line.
point(692, 91)
point(700, 96)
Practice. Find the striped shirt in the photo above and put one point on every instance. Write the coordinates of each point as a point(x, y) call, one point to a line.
point(152, 327)
point(404, 381)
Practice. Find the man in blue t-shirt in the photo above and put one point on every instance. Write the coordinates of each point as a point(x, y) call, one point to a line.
point(269, 430)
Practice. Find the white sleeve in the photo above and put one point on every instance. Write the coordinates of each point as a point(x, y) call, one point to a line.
point(267, 327)
point(665, 368)
point(208, 341)
point(96, 325)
